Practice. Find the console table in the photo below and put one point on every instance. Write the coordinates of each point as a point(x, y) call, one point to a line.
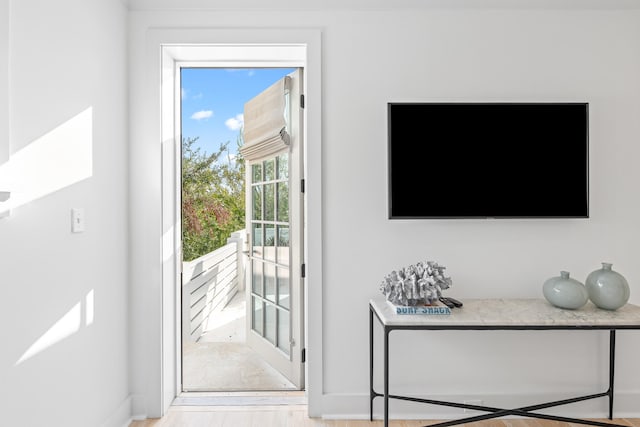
point(500, 314)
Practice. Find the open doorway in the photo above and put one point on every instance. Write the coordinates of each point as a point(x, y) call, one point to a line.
point(242, 300)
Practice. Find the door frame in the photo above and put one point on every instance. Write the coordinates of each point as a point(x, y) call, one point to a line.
point(215, 56)
point(164, 381)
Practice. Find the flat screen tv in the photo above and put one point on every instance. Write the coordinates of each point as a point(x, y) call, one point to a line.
point(488, 160)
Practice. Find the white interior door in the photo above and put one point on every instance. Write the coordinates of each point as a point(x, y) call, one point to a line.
point(274, 215)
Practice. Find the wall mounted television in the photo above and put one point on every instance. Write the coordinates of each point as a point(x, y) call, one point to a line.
point(488, 160)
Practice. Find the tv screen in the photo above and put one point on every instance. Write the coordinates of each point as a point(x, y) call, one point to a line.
point(488, 160)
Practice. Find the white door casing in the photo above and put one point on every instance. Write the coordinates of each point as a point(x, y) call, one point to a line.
point(155, 289)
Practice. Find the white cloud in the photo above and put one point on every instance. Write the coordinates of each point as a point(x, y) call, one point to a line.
point(251, 73)
point(183, 93)
point(235, 123)
point(204, 114)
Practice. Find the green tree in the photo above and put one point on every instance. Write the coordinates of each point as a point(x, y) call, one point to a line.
point(213, 197)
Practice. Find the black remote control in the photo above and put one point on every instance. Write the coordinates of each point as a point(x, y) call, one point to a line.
point(446, 302)
point(455, 302)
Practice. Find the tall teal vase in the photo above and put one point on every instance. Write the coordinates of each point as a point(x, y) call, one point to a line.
point(607, 288)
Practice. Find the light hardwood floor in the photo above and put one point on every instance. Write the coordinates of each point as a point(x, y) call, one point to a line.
point(296, 416)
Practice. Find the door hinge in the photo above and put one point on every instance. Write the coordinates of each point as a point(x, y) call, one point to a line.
point(304, 355)
point(301, 101)
point(303, 271)
point(302, 185)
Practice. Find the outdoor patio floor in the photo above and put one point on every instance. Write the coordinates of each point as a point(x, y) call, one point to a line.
point(222, 361)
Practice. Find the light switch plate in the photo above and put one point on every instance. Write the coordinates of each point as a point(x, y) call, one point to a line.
point(77, 220)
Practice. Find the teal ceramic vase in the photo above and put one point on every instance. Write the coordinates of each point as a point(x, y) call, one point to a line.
point(565, 292)
point(607, 288)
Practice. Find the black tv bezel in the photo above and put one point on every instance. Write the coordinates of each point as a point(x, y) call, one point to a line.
point(391, 216)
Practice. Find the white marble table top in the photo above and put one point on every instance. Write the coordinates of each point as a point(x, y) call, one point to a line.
point(513, 313)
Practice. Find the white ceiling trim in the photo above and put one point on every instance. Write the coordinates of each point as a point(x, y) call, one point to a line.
point(315, 5)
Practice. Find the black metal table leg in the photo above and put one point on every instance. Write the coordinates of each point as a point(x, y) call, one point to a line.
point(612, 363)
point(371, 392)
point(386, 376)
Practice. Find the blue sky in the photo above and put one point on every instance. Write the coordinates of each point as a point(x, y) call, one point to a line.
point(213, 101)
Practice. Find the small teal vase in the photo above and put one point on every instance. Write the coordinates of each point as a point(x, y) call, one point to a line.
point(607, 288)
point(565, 292)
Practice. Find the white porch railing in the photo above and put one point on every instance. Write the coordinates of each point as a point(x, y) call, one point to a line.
point(209, 283)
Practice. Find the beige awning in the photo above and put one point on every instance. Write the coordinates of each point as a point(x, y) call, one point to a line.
point(265, 122)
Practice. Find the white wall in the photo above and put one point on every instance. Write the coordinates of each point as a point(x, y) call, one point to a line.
point(4, 82)
point(371, 57)
point(63, 296)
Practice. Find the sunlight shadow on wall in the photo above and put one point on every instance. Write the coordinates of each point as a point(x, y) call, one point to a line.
point(52, 162)
point(68, 325)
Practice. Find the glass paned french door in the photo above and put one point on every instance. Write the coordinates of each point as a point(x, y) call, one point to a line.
point(271, 252)
point(275, 226)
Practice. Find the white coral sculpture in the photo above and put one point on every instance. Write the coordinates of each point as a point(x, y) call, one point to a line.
point(419, 284)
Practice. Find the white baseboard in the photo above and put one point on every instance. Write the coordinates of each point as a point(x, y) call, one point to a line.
point(356, 406)
point(126, 413)
point(135, 418)
point(121, 417)
point(138, 407)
